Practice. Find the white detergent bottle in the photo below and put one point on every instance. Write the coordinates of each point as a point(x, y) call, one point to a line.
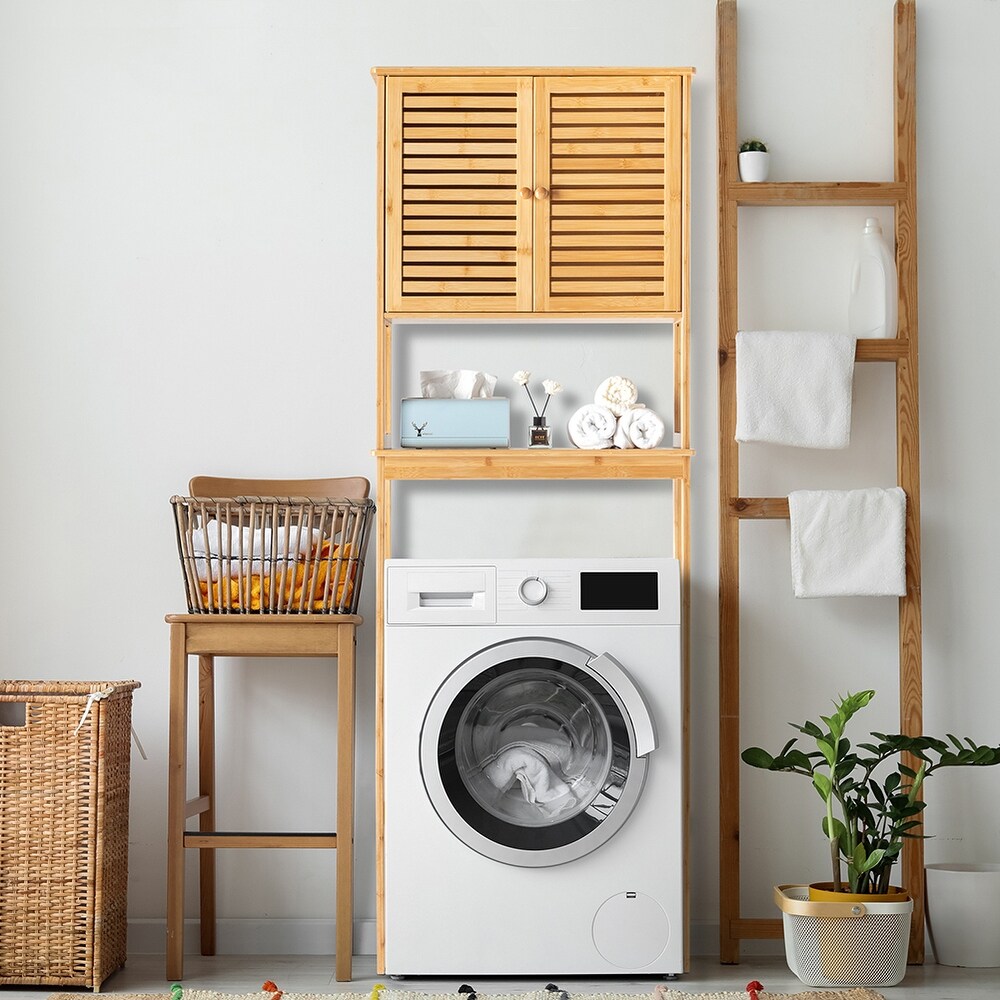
point(872, 309)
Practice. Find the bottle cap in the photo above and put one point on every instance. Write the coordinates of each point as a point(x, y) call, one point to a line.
point(872, 226)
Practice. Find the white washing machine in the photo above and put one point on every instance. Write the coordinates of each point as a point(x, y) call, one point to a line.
point(534, 776)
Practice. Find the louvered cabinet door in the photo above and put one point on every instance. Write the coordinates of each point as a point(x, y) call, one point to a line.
point(608, 235)
point(458, 231)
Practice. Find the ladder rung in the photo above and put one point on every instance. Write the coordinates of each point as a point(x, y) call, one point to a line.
point(758, 929)
point(759, 508)
point(204, 839)
point(819, 193)
point(892, 349)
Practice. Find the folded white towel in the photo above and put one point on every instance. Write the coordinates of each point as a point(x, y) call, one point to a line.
point(592, 426)
point(848, 542)
point(617, 394)
point(794, 388)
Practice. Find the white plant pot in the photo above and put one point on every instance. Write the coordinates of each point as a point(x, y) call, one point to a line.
point(754, 165)
point(963, 914)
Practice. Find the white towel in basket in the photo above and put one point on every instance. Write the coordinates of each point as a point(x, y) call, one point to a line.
point(232, 550)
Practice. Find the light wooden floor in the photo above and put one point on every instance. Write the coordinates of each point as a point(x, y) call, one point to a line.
point(314, 974)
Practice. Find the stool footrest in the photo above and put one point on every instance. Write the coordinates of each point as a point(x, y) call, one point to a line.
point(203, 839)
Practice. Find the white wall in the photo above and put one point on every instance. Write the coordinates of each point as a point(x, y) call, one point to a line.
point(187, 214)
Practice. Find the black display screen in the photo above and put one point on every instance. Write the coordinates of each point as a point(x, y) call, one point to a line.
point(618, 592)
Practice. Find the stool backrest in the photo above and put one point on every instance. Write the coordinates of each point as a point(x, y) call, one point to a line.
point(348, 487)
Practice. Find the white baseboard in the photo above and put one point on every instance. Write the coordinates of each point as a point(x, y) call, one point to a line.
point(316, 937)
point(254, 936)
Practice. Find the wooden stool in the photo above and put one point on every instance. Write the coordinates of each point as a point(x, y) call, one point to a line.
point(206, 637)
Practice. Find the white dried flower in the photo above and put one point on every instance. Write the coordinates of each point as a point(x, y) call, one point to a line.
point(551, 386)
point(521, 377)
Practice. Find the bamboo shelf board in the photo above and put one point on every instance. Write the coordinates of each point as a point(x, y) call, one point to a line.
point(378, 71)
point(817, 193)
point(523, 317)
point(534, 463)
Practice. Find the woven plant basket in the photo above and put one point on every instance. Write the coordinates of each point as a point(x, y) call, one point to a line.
point(64, 793)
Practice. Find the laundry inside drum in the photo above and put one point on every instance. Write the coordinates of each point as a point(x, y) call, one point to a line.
point(534, 747)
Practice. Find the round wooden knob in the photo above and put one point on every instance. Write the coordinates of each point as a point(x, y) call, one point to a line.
point(541, 193)
point(526, 192)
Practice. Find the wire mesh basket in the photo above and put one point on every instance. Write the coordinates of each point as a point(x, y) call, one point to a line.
point(272, 555)
point(844, 944)
point(64, 794)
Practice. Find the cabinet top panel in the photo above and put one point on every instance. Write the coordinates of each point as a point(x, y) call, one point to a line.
point(378, 71)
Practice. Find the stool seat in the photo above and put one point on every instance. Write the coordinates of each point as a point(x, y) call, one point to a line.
point(209, 636)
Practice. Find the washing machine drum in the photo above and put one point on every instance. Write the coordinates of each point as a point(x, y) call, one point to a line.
point(533, 751)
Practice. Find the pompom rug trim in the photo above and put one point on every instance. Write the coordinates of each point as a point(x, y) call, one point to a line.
point(270, 991)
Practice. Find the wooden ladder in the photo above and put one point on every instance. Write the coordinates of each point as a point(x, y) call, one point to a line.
point(899, 193)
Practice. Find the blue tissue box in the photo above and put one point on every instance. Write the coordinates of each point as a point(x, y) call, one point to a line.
point(454, 423)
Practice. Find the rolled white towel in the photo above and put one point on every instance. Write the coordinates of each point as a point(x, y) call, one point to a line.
point(592, 426)
point(617, 394)
point(621, 438)
point(646, 428)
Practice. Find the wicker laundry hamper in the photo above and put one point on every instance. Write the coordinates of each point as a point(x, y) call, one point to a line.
point(64, 794)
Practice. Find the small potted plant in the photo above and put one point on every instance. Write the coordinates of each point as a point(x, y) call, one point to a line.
point(871, 803)
point(755, 160)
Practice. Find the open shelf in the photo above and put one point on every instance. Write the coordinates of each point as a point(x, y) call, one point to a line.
point(534, 463)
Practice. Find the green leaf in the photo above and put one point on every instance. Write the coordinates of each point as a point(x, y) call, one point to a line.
point(822, 785)
point(826, 747)
point(756, 757)
point(873, 861)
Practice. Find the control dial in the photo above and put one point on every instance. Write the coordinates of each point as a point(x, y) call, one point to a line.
point(532, 590)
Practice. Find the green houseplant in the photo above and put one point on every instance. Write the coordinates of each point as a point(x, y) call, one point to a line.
point(875, 794)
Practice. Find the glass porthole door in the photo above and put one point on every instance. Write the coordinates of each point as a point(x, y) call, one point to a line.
point(533, 751)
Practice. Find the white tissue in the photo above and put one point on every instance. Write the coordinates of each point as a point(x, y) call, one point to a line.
point(460, 383)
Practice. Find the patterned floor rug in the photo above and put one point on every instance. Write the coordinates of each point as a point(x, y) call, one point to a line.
point(270, 991)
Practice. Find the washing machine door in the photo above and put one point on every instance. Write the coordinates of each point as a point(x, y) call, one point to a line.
point(533, 751)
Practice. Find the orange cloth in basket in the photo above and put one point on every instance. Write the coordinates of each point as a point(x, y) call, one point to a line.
point(311, 584)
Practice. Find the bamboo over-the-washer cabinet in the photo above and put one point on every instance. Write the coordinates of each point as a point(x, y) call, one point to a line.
point(530, 193)
point(899, 193)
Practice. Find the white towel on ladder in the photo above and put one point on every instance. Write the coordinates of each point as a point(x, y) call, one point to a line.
point(794, 388)
point(848, 543)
